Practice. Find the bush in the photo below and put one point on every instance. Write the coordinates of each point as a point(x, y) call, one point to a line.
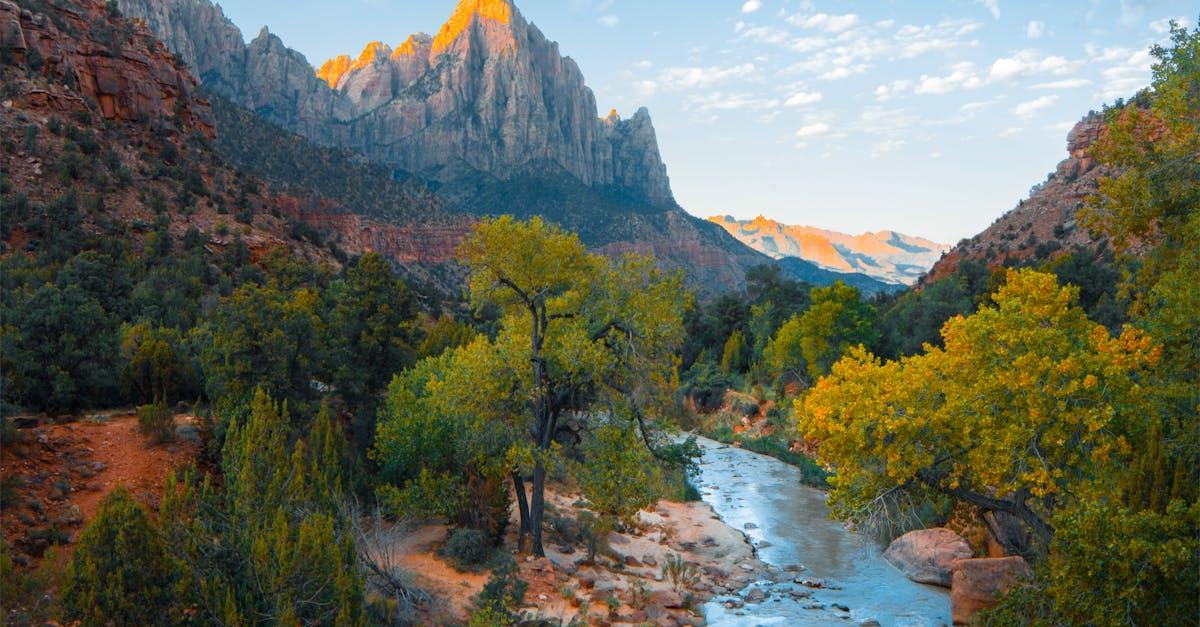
point(500, 598)
point(121, 572)
point(157, 422)
point(595, 531)
point(811, 473)
point(467, 549)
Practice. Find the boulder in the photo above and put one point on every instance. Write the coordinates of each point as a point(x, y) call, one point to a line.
point(665, 598)
point(927, 555)
point(979, 583)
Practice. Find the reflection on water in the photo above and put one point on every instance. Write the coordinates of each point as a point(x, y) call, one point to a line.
point(790, 524)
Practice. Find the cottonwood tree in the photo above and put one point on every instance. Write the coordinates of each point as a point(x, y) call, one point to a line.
point(581, 333)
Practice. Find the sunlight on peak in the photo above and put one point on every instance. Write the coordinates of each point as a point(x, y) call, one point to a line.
point(495, 10)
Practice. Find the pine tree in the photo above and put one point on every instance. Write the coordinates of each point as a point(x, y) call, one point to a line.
point(121, 572)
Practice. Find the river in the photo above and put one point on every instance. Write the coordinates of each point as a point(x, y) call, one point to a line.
point(789, 523)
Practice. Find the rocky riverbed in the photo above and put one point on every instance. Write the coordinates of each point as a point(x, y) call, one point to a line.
point(818, 572)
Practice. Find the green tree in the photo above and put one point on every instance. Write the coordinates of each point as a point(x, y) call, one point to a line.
point(272, 547)
point(587, 332)
point(620, 476)
point(154, 368)
point(784, 354)
point(735, 355)
point(837, 321)
point(121, 572)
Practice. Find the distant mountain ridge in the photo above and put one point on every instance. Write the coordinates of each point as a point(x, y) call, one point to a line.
point(885, 255)
point(487, 112)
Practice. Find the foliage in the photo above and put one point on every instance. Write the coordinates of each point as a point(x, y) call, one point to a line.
point(155, 369)
point(736, 353)
point(273, 546)
point(620, 476)
point(595, 530)
point(961, 420)
point(467, 549)
point(121, 572)
point(811, 473)
point(681, 573)
point(706, 385)
point(587, 333)
point(157, 422)
point(837, 321)
point(500, 598)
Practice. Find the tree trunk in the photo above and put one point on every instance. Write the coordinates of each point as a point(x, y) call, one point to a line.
point(537, 507)
point(522, 509)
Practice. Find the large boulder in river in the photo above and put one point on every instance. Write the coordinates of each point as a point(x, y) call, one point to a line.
point(927, 555)
point(979, 583)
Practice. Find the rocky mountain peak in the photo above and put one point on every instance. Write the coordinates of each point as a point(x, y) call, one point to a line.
point(494, 15)
point(416, 44)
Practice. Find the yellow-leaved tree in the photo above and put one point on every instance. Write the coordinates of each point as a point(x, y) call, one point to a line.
point(1027, 402)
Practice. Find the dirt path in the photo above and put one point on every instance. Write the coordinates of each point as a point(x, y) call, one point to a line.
point(62, 473)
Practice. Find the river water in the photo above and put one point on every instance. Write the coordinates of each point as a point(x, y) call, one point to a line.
point(789, 523)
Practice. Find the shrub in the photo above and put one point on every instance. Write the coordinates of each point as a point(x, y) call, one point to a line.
point(500, 598)
point(121, 572)
point(467, 549)
point(595, 531)
point(681, 573)
point(157, 422)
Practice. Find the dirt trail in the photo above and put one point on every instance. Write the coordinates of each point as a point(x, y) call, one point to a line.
point(62, 473)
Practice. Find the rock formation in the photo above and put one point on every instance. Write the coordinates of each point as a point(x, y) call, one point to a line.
point(978, 584)
point(928, 555)
point(489, 93)
point(487, 110)
point(99, 67)
point(885, 255)
point(1044, 224)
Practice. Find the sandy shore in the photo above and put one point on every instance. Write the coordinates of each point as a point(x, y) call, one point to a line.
point(562, 586)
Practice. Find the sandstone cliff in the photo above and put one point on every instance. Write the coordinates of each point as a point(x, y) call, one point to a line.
point(1043, 225)
point(885, 255)
point(487, 111)
point(489, 93)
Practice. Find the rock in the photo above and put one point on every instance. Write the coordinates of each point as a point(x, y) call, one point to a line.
point(839, 606)
point(926, 555)
point(734, 603)
point(632, 561)
point(979, 583)
point(649, 560)
point(756, 595)
point(587, 581)
point(749, 525)
point(869, 623)
point(1008, 532)
point(69, 515)
point(665, 598)
point(793, 568)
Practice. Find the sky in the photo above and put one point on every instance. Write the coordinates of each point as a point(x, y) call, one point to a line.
point(929, 117)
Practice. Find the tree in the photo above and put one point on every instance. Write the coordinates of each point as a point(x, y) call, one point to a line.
point(121, 572)
point(1026, 402)
point(620, 476)
point(837, 321)
point(586, 332)
point(784, 354)
point(154, 367)
point(272, 547)
point(735, 354)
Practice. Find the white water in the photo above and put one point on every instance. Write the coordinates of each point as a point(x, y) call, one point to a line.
point(791, 522)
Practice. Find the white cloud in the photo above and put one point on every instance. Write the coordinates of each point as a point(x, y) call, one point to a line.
point(992, 6)
point(1163, 26)
point(767, 35)
point(801, 98)
point(1010, 131)
point(815, 129)
point(1070, 83)
point(962, 77)
point(1035, 29)
point(946, 35)
point(609, 20)
point(971, 108)
point(935, 155)
point(751, 6)
point(883, 93)
point(1033, 107)
point(644, 64)
point(843, 72)
point(824, 21)
point(1027, 62)
point(1128, 71)
point(694, 77)
point(886, 146)
point(646, 88)
point(718, 101)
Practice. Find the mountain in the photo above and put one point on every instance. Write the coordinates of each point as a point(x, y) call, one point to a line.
point(885, 255)
point(1043, 225)
point(809, 272)
point(487, 113)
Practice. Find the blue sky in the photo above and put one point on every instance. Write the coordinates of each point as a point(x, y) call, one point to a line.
point(930, 117)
